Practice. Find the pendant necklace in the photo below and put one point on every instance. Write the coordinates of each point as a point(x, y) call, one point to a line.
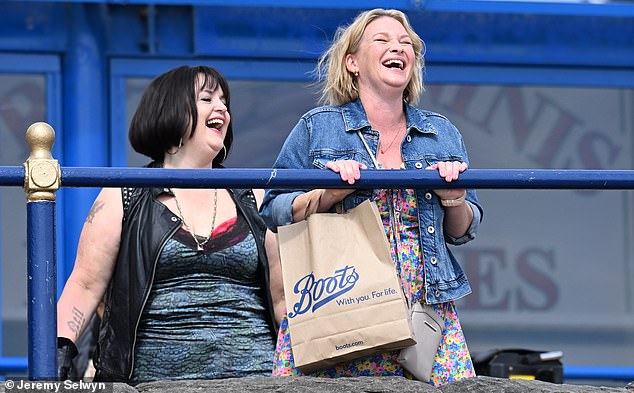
point(199, 245)
point(383, 150)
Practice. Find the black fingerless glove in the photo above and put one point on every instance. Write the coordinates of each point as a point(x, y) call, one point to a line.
point(66, 351)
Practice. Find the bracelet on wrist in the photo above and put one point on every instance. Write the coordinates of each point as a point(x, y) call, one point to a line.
point(453, 202)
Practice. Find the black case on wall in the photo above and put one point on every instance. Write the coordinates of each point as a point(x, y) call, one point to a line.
point(520, 363)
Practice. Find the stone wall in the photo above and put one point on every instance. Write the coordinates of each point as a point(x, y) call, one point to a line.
point(340, 385)
point(364, 384)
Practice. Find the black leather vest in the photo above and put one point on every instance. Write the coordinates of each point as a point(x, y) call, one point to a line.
point(147, 226)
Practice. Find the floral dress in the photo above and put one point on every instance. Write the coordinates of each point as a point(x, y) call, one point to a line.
point(453, 361)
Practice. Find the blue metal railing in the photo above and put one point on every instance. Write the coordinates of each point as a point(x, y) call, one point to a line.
point(13, 365)
point(599, 373)
point(306, 178)
point(42, 322)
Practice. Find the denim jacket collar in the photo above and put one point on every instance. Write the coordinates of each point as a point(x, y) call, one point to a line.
point(355, 118)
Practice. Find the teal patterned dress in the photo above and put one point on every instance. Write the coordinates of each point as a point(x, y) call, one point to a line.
point(205, 316)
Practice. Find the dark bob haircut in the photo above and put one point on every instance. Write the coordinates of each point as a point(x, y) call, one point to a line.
point(168, 108)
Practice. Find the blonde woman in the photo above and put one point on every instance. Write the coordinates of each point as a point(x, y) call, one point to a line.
point(373, 79)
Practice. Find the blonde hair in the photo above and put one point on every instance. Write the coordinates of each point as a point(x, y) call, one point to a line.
point(339, 86)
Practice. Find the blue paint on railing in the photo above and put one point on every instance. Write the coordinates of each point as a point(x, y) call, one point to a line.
point(601, 373)
point(11, 176)
point(308, 178)
point(42, 290)
point(13, 365)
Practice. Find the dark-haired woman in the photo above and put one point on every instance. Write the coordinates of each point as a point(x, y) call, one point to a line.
point(191, 277)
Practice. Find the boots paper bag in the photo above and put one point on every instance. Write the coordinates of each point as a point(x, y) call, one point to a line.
point(343, 297)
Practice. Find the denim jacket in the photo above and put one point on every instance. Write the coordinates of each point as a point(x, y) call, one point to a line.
point(329, 133)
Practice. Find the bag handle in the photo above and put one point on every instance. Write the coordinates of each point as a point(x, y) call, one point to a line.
point(367, 148)
point(339, 207)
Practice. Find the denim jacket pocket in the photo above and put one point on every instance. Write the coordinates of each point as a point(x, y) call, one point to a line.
point(431, 159)
point(355, 199)
point(321, 157)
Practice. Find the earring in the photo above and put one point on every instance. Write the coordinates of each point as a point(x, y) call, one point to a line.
point(180, 144)
point(224, 152)
point(355, 81)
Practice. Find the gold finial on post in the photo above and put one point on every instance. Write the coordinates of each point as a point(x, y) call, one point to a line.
point(42, 174)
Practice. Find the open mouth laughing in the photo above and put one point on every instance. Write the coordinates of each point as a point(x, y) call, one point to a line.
point(394, 63)
point(215, 123)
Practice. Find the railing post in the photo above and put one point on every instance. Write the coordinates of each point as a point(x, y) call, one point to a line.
point(42, 177)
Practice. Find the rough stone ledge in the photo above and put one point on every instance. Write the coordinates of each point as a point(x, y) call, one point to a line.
point(367, 384)
point(344, 385)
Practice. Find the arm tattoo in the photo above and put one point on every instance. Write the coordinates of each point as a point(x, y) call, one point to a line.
point(77, 323)
point(98, 205)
